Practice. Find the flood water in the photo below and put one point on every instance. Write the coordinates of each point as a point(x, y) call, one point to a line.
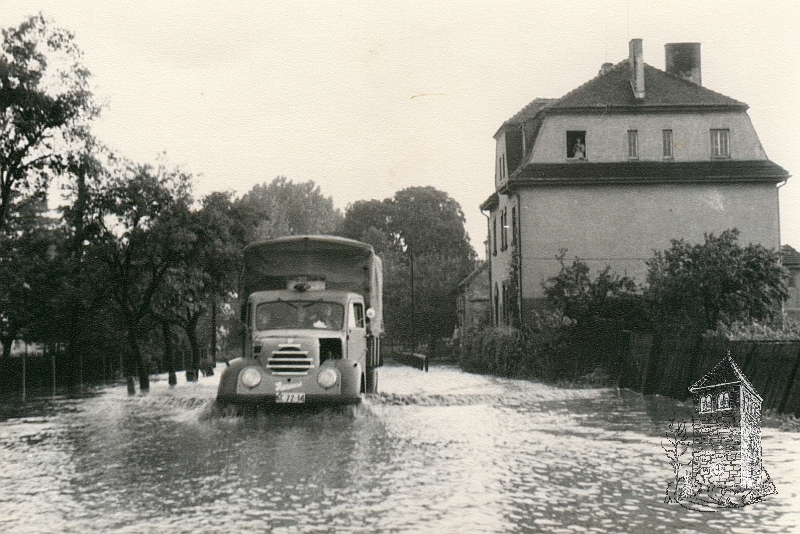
point(438, 452)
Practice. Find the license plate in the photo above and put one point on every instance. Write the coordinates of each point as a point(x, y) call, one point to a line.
point(290, 398)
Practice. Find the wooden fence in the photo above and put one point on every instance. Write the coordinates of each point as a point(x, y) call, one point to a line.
point(669, 364)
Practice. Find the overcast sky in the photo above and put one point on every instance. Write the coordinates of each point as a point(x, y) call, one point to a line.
point(366, 98)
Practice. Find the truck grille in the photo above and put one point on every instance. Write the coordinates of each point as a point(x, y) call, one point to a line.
point(289, 360)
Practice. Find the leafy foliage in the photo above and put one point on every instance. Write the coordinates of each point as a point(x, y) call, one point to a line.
point(44, 102)
point(716, 281)
point(283, 207)
point(584, 300)
point(421, 231)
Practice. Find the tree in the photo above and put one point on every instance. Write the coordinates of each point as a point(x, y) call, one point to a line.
point(30, 273)
point(420, 235)
point(608, 297)
point(44, 101)
point(206, 273)
point(283, 207)
point(142, 217)
point(716, 281)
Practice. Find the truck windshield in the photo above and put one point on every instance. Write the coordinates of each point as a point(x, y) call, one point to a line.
point(300, 315)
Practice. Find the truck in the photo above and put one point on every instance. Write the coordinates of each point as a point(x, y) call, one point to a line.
point(313, 320)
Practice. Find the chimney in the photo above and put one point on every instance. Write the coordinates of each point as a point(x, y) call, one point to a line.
point(683, 59)
point(637, 68)
point(605, 67)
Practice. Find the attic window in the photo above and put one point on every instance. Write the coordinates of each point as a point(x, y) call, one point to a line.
point(720, 143)
point(633, 144)
point(668, 146)
point(576, 145)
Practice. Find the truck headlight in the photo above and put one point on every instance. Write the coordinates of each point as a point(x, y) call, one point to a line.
point(327, 378)
point(251, 377)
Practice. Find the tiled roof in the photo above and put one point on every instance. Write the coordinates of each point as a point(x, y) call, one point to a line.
point(649, 171)
point(471, 276)
point(491, 202)
point(612, 89)
point(529, 111)
point(791, 258)
point(725, 372)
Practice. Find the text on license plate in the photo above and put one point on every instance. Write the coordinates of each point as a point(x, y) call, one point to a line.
point(290, 398)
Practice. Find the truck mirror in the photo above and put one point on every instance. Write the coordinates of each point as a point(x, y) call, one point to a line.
point(370, 313)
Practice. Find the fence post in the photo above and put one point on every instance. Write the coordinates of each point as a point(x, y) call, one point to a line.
point(24, 354)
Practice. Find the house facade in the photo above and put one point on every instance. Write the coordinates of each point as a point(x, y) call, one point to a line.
point(617, 168)
point(726, 447)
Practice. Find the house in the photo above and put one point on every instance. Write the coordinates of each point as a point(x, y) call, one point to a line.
point(726, 448)
point(472, 300)
point(791, 262)
point(617, 168)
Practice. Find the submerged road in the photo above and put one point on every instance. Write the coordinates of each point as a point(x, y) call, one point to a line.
point(436, 452)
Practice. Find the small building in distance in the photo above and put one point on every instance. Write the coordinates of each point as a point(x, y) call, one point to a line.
point(791, 261)
point(473, 299)
point(726, 448)
point(616, 169)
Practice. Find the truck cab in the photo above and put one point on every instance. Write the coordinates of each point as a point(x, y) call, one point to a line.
point(309, 338)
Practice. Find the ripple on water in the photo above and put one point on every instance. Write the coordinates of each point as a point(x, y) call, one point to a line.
point(442, 451)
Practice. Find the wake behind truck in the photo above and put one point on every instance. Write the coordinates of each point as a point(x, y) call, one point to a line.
point(313, 316)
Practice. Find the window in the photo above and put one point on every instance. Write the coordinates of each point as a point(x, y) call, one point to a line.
point(513, 224)
point(494, 236)
point(504, 229)
point(357, 315)
point(791, 282)
point(633, 144)
point(576, 145)
point(667, 136)
point(720, 143)
point(724, 401)
point(705, 404)
point(496, 305)
point(506, 305)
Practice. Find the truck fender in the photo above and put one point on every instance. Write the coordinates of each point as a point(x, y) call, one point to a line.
point(350, 371)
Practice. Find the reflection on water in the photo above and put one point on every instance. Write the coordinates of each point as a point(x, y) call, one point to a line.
point(433, 452)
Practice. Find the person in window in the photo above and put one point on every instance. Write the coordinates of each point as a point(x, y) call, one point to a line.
point(579, 150)
point(323, 318)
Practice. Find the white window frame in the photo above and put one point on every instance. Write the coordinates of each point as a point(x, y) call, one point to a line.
point(633, 144)
point(720, 143)
point(668, 145)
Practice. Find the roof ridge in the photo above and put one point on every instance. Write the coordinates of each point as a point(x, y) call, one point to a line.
point(600, 74)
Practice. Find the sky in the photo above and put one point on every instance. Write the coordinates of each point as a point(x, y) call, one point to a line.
point(366, 98)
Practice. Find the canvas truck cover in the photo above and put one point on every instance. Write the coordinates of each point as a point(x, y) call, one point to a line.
point(344, 264)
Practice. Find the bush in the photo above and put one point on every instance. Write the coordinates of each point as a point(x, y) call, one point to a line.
point(531, 351)
point(584, 300)
point(785, 330)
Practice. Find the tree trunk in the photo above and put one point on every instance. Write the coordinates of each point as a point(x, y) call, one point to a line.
point(136, 361)
point(213, 337)
point(165, 330)
point(192, 370)
point(73, 356)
